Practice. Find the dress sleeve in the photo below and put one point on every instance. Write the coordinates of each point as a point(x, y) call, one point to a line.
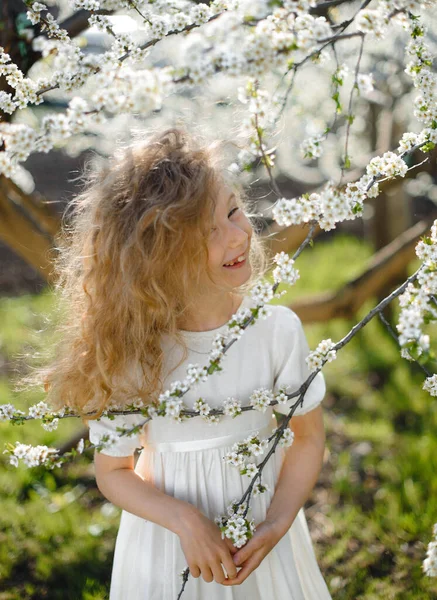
point(290, 350)
point(123, 446)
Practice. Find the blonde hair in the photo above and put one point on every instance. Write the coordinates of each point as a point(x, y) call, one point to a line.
point(126, 268)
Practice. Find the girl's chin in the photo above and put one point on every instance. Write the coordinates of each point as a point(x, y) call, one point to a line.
point(241, 275)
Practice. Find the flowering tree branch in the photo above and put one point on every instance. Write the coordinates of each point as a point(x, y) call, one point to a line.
point(289, 39)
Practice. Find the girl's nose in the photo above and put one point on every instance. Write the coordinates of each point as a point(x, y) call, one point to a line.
point(239, 236)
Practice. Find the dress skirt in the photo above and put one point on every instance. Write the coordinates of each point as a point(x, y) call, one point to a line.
point(148, 559)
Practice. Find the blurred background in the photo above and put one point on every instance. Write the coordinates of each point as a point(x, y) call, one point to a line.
point(372, 511)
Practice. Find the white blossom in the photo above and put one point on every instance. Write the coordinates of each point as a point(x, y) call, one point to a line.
point(324, 351)
point(260, 488)
point(250, 470)
point(430, 563)
point(52, 425)
point(195, 374)
point(264, 312)
point(202, 407)
point(232, 407)
point(234, 525)
point(212, 419)
point(6, 412)
point(312, 147)
point(365, 83)
point(371, 22)
point(260, 399)
point(430, 385)
point(255, 446)
point(285, 270)
point(261, 293)
point(173, 407)
point(38, 411)
point(408, 141)
point(286, 438)
point(33, 456)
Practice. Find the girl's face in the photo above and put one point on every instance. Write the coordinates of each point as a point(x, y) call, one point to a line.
point(229, 239)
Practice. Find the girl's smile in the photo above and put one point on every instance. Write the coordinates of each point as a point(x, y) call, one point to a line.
point(237, 263)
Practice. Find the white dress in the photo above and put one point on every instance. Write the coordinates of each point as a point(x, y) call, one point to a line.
point(185, 460)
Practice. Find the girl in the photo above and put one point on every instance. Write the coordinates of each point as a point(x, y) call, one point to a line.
point(151, 264)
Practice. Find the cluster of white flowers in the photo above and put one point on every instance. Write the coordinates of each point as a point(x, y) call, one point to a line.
point(430, 385)
point(285, 271)
point(234, 525)
point(289, 33)
point(51, 425)
point(202, 407)
point(261, 293)
point(260, 105)
point(422, 345)
point(173, 407)
point(255, 446)
point(241, 451)
point(410, 324)
point(261, 398)
point(232, 407)
point(312, 147)
point(295, 211)
point(298, 6)
point(260, 488)
point(250, 469)
point(38, 411)
point(235, 325)
point(373, 22)
point(33, 456)
point(218, 345)
point(424, 79)
point(416, 302)
point(7, 411)
point(286, 439)
point(52, 28)
point(323, 352)
point(387, 165)
point(196, 374)
point(281, 395)
point(407, 141)
point(430, 562)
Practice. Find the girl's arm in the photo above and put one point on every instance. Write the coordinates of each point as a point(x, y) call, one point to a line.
point(201, 541)
point(301, 467)
point(121, 485)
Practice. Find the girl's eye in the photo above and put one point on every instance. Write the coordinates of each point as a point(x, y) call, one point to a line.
point(229, 215)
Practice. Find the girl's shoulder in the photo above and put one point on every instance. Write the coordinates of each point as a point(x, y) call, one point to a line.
point(280, 315)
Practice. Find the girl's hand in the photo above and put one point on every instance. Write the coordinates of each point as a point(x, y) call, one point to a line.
point(204, 548)
point(250, 556)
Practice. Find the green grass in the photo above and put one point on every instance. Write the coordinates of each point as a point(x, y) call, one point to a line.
point(371, 514)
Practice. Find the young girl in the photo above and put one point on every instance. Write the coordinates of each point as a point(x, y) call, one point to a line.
point(155, 241)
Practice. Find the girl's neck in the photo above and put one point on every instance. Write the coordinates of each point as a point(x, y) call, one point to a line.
point(211, 313)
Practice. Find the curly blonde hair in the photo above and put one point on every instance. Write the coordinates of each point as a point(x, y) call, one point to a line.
point(127, 264)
